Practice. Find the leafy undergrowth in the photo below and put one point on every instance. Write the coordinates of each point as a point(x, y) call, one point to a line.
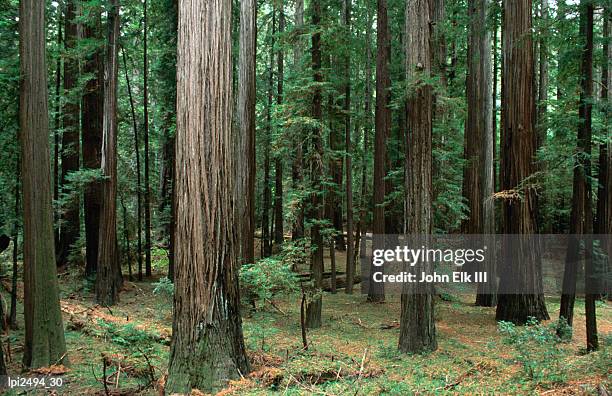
point(353, 353)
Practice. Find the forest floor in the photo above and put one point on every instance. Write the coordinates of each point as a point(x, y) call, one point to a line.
point(353, 353)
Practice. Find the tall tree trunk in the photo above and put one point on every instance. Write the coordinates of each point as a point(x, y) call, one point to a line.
point(93, 103)
point(417, 326)
point(278, 162)
point(348, 159)
point(361, 225)
point(581, 221)
point(479, 135)
point(603, 223)
point(315, 303)
point(297, 176)
point(147, 184)
point(167, 186)
point(207, 347)
point(245, 186)
point(70, 227)
point(266, 225)
point(493, 8)
point(108, 280)
point(376, 292)
point(137, 152)
point(523, 262)
point(585, 111)
point(44, 330)
point(56, 131)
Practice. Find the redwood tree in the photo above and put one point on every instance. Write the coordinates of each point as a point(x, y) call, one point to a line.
point(417, 326)
point(522, 266)
point(316, 212)
point(245, 178)
point(207, 347)
point(479, 137)
point(70, 226)
point(93, 102)
point(382, 122)
point(108, 280)
point(44, 331)
point(348, 160)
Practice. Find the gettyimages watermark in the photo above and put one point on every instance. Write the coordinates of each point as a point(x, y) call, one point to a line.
point(466, 264)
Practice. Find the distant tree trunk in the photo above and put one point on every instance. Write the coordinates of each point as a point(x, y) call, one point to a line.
point(350, 268)
point(494, 99)
point(585, 111)
point(376, 292)
point(245, 186)
point(13, 311)
point(315, 303)
point(297, 176)
point(93, 103)
point(542, 77)
point(523, 262)
point(603, 223)
point(361, 225)
point(137, 152)
point(207, 347)
point(266, 242)
point(278, 162)
point(479, 136)
point(56, 132)
point(167, 186)
point(126, 237)
point(147, 184)
point(108, 280)
point(44, 331)
point(581, 221)
point(417, 326)
point(70, 227)
point(438, 14)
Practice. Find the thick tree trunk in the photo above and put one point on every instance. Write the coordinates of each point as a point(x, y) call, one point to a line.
point(348, 159)
point(417, 326)
point(44, 331)
point(315, 302)
point(523, 262)
point(207, 346)
point(245, 182)
point(479, 135)
point(376, 292)
point(108, 280)
point(93, 102)
point(70, 218)
point(147, 184)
